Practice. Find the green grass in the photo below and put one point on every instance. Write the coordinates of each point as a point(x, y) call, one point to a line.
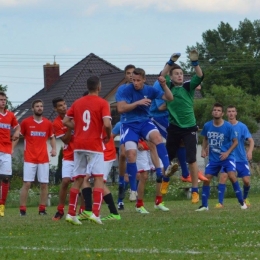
point(181, 233)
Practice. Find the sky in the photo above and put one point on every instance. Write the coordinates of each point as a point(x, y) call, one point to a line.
point(141, 32)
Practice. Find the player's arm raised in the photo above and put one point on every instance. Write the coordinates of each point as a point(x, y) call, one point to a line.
point(167, 92)
point(194, 58)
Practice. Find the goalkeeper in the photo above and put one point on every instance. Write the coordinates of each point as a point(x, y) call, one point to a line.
point(182, 122)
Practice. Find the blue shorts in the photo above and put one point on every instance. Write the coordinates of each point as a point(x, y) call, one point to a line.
point(162, 124)
point(136, 130)
point(242, 169)
point(213, 168)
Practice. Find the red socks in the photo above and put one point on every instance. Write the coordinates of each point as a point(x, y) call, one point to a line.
point(74, 193)
point(158, 200)
point(97, 200)
point(60, 208)
point(139, 203)
point(4, 192)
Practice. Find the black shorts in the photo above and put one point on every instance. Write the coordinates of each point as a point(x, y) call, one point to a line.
point(188, 135)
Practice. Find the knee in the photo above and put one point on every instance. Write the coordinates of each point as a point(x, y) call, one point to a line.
point(223, 178)
point(5, 179)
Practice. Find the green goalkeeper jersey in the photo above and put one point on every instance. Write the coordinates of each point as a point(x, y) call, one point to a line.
point(181, 111)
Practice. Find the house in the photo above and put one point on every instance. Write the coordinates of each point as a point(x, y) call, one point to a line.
point(72, 84)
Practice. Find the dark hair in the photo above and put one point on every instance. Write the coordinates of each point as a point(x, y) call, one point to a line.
point(175, 67)
point(2, 93)
point(129, 66)
point(85, 93)
point(139, 71)
point(93, 83)
point(218, 105)
point(36, 101)
point(56, 100)
point(231, 106)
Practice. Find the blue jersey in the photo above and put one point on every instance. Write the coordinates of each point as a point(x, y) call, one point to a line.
point(131, 95)
point(116, 128)
point(219, 139)
point(156, 103)
point(242, 134)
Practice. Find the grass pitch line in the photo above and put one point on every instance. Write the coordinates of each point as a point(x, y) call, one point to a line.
point(104, 250)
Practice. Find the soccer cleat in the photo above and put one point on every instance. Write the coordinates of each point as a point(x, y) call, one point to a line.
point(43, 213)
point(201, 176)
point(2, 210)
point(132, 196)
point(247, 202)
point(161, 207)
point(112, 217)
point(72, 220)
point(141, 210)
point(195, 197)
point(22, 213)
point(219, 206)
point(244, 206)
point(202, 208)
point(172, 168)
point(164, 187)
point(57, 216)
point(187, 179)
point(120, 206)
point(95, 219)
point(84, 215)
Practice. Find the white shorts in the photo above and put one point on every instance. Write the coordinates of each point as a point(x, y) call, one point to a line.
point(30, 169)
point(5, 164)
point(88, 163)
point(142, 161)
point(67, 169)
point(152, 167)
point(108, 165)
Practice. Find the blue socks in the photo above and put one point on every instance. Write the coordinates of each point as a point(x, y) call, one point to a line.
point(238, 192)
point(131, 169)
point(246, 191)
point(221, 192)
point(181, 153)
point(205, 195)
point(163, 155)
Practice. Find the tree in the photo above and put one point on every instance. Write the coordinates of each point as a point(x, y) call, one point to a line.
point(230, 56)
point(248, 106)
point(9, 104)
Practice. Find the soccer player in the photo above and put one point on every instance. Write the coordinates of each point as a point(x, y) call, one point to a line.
point(88, 115)
point(66, 136)
point(134, 102)
point(109, 158)
point(220, 139)
point(143, 166)
point(36, 130)
point(122, 156)
point(241, 157)
point(182, 120)
point(7, 144)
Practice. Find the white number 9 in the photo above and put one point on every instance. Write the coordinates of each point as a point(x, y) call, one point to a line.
point(86, 119)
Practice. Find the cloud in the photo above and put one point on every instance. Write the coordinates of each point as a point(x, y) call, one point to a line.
point(91, 9)
point(17, 3)
point(220, 6)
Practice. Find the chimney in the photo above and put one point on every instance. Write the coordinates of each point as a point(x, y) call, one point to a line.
point(51, 74)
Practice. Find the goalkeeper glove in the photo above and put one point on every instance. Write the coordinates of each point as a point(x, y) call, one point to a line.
point(194, 56)
point(173, 58)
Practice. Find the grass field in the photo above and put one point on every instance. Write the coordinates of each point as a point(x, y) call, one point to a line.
point(181, 233)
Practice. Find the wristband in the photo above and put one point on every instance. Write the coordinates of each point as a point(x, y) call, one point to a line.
point(195, 63)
